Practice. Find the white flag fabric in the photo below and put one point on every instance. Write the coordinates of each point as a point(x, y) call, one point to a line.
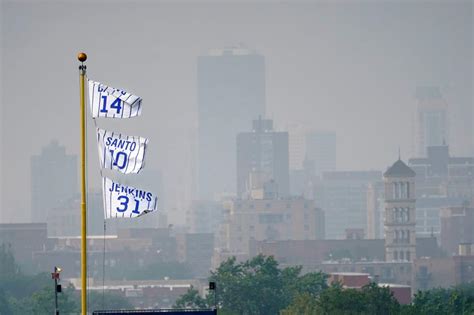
point(122, 201)
point(108, 102)
point(119, 152)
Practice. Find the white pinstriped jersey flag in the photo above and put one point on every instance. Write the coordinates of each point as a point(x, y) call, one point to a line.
point(108, 102)
point(122, 201)
point(119, 152)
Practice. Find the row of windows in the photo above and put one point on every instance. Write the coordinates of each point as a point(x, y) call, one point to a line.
point(401, 255)
point(401, 190)
point(269, 205)
point(401, 215)
point(401, 236)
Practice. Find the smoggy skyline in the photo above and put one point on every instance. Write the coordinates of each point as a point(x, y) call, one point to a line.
point(349, 67)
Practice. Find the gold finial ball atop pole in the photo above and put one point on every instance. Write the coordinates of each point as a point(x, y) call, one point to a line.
point(81, 57)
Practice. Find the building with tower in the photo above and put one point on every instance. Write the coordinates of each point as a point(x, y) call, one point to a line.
point(231, 93)
point(400, 213)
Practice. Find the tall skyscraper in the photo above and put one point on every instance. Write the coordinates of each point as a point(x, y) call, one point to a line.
point(321, 151)
point(400, 213)
point(431, 120)
point(231, 92)
point(53, 180)
point(265, 152)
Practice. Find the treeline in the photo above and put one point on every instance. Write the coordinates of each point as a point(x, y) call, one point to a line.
point(22, 294)
point(259, 286)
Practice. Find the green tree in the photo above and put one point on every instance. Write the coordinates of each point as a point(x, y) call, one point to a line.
point(455, 300)
point(336, 300)
point(380, 300)
point(191, 299)
point(42, 302)
point(303, 304)
point(370, 299)
point(252, 287)
point(5, 307)
point(257, 286)
point(8, 266)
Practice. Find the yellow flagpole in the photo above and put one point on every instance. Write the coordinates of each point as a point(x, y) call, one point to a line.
point(82, 73)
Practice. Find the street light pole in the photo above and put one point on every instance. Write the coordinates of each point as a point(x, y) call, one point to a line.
point(56, 310)
point(57, 288)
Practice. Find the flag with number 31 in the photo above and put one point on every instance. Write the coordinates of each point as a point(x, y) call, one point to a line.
point(108, 102)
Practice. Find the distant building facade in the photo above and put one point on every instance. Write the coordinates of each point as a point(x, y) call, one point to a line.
point(438, 272)
point(270, 219)
point(321, 151)
point(24, 239)
point(456, 227)
point(297, 145)
point(441, 174)
point(375, 210)
point(356, 280)
point(263, 151)
point(428, 213)
point(231, 92)
point(343, 197)
point(204, 216)
point(431, 119)
point(196, 249)
point(53, 180)
point(400, 213)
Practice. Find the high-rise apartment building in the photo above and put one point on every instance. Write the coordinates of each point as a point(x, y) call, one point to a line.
point(231, 92)
point(263, 151)
point(431, 119)
point(321, 151)
point(53, 180)
point(400, 213)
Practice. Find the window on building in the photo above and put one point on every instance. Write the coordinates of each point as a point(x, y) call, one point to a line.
point(402, 190)
point(395, 255)
point(408, 256)
point(401, 255)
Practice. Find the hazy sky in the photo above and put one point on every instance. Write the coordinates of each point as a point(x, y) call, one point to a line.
point(347, 66)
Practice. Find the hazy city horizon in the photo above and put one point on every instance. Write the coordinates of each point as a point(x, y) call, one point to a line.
point(350, 69)
point(242, 156)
